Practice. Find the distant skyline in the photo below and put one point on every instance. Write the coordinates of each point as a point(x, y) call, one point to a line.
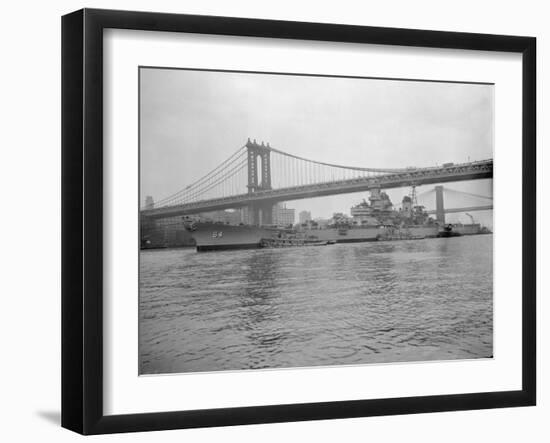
point(191, 121)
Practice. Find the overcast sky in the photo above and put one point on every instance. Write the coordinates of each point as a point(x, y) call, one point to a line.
point(191, 121)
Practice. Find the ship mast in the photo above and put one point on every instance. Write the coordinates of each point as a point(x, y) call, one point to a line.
point(412, 195)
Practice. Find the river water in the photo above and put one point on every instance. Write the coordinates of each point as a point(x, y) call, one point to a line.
point(340, 304)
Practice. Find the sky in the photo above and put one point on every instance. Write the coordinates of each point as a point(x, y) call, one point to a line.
point(191, 121)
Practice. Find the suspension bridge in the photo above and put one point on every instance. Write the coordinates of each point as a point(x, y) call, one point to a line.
point(439, 191)
point(258, 176)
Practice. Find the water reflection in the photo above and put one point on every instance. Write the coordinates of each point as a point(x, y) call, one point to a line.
point(259, 316)
point(340, 304)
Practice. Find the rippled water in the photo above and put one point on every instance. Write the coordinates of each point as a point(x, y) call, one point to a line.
point(339, 304)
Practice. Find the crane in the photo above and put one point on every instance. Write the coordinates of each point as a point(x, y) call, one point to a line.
point(471, 218)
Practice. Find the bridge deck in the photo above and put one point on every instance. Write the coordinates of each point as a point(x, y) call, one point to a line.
point(424, 176)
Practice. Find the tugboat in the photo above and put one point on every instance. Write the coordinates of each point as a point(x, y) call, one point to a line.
point(290, 242)
point(448, 232)
point(291, 239)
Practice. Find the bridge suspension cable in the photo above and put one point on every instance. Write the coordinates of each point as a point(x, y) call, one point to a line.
point(224, 170)
point(333, 165)
point(467, 193)
point(227, 174)
point(293, 170)
point(425, 193)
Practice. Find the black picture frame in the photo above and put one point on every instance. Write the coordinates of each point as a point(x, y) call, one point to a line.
point(82, 220)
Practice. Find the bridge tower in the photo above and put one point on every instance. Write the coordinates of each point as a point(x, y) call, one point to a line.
point(439, 207)
point(259, 179)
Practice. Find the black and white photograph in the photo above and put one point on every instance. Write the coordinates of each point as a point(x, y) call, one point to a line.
point(295, 220)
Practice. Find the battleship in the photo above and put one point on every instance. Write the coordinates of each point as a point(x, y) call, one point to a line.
point(375, 220)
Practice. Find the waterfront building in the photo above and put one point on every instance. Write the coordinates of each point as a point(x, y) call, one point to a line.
point(304, 216)
point(149, 202)
point(282, 215)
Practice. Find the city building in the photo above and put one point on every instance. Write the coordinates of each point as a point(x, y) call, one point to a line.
point(304, 216)
point(149, 202)
point(322, 222)
point(282, 215)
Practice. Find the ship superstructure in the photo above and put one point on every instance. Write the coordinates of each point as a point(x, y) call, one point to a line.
point(376, 219)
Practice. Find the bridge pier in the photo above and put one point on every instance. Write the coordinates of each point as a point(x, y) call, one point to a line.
point(261, 214)
point(259, 176)
point(439, 206)
point(259, 179)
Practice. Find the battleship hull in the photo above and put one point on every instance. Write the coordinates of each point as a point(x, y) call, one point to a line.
point(351, 235)
point(218, 236)
point(371, 233)
point(428, 231)
point(211, 236)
